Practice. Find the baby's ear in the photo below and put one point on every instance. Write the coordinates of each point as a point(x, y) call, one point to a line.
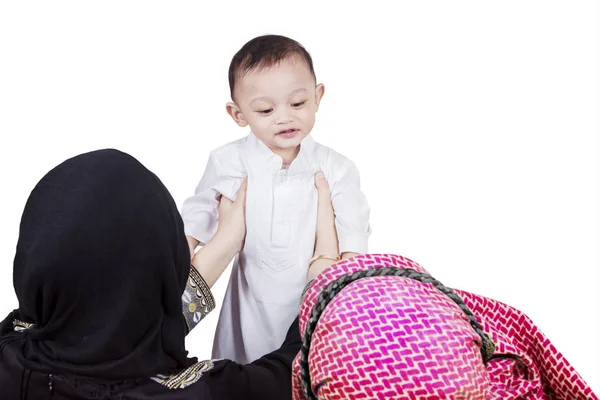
point(234, 112)
point(319, 92)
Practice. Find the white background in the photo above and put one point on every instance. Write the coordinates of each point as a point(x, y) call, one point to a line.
point(473, 124)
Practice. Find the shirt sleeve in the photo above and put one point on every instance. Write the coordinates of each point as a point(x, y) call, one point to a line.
point(351, 209)
point(197, 300)
point(267, 378)
point(200, 211)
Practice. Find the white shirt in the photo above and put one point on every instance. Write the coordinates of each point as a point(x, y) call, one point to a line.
point(268, 276)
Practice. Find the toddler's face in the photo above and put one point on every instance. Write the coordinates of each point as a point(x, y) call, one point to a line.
point(279, 103)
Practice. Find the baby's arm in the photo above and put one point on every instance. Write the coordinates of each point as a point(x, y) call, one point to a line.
point(351, 210)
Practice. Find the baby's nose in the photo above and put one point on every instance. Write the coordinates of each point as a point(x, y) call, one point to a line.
point(283, 117)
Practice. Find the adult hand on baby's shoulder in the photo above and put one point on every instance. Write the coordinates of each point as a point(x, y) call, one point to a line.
point(232, 217)
point(326, 235)
point(212, 259)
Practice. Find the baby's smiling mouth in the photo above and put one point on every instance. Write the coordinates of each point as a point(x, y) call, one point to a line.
point(287, 131)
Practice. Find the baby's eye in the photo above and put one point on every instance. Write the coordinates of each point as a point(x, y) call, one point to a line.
point(265, 112)
point(300, 104)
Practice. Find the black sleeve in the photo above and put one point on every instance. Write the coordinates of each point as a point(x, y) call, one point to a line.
point(269, 377)
point(197, 300)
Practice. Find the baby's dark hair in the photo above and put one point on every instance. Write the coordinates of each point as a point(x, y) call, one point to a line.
point(264, 52)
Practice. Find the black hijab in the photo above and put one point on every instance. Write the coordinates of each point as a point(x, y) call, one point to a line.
point(100, 268)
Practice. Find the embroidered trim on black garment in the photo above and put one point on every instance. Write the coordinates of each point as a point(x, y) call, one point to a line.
point(196, 287)
point(20, 326)
point(186, 377)
point(197, 300)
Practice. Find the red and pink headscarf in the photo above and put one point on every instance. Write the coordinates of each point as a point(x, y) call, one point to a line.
point(380, 327)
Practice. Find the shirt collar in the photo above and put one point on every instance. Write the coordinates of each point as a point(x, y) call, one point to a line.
point(305, 160)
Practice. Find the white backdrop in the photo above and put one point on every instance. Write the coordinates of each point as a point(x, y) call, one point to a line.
point(473, 125)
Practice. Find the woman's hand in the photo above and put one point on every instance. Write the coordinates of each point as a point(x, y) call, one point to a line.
point(326, 241)
point(232, 218)
point(213, 258)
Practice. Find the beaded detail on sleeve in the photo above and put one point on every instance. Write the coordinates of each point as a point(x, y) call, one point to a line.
point(186, 377)
point(20, 326)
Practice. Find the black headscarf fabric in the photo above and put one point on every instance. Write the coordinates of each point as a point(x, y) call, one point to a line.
point(100, 267)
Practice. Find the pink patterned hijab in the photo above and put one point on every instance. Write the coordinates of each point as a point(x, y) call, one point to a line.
point(380, 327)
